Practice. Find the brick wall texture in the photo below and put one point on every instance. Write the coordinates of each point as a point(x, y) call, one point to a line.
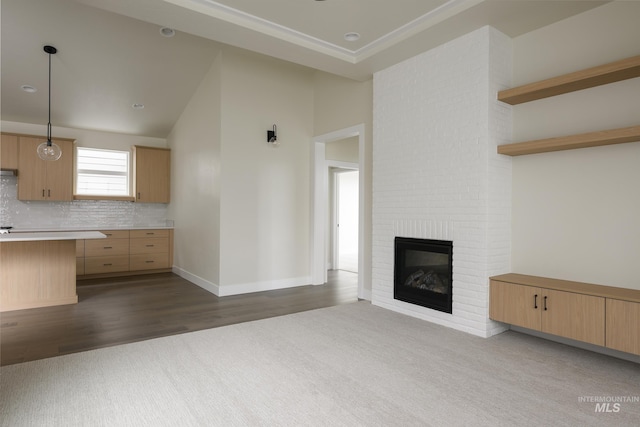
point(436, 172)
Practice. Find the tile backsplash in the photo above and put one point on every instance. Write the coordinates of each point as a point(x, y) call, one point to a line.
point(78, 213)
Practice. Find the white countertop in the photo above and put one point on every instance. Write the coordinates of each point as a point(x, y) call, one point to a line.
point(51, 235)
point(83, 228)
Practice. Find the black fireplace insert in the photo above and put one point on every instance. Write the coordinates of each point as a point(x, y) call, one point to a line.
point(423, 272)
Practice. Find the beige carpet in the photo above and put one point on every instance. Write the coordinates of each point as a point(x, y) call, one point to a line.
point(351, 365)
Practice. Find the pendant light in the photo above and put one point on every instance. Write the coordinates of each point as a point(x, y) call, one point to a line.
point(49, 150)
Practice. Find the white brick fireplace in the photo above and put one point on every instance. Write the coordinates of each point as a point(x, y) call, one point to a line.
point(436, 173)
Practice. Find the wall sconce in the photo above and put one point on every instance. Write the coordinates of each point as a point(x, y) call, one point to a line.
point(272, 137)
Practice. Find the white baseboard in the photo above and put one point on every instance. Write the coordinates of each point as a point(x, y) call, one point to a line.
point(241, 288)
point(197, 280)
point(365, 295)
point(266, 285)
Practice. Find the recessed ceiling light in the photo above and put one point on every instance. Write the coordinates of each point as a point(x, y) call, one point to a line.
point(138, 106)
point(351, 37)
point(28, 88)
point(167, 32)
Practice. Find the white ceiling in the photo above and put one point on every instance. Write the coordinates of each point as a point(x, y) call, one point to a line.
point(111, 54)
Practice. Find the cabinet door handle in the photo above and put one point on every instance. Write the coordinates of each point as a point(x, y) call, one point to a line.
point(535, 301)
point(148, 262)
point(138, 195)
point(49, 193)
point(108, 247)
point(149, 246)
point(151, 234)
point(545, 303)
point(107, 265)
point(43, 192)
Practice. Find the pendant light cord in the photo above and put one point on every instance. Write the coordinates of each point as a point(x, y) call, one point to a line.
point(49, 123)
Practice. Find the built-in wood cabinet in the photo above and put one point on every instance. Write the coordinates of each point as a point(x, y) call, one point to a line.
point(44, 180)
point(600, 315)
point(126, 252)
point(623, 325)
point(570, 315)
point(9, 152)
point(37, 274)
point(149, 249)
point(110, 255)
point(515, 304)
point(152, 169)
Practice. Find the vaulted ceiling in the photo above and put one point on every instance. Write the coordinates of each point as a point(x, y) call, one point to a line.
point(112, 55)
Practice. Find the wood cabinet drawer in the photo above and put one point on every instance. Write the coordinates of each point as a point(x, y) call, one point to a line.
point(106, 264)
point(116, 234)
point(149, 246)
point(79, 248)
point(136, 234)
point(149, 261)
point(106, 247)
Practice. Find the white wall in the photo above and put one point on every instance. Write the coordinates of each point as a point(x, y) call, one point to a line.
point(437, 174)
point(576, 213)
point(265, 190)
point(195, 143)
point(344, 150)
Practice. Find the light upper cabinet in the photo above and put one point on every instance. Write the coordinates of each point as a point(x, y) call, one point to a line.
point(44, 180)
point(152, 168)
point(9, 152)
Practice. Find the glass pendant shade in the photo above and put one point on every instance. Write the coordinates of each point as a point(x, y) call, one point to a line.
point(49, 151)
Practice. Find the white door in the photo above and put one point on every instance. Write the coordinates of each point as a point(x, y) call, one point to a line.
point(347, 214)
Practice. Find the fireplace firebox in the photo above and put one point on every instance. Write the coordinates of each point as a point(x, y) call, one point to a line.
point(423, 272)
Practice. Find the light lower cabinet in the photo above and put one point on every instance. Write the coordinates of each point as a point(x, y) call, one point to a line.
point(151, 171)
point(596, 314)
point(126, 251)
point(623, 325)
point(44, 180)
point(109, 255)
point(576, 316)
point(570, 315)
point(149, 249)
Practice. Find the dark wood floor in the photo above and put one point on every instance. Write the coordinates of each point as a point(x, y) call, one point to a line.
point(123, 310)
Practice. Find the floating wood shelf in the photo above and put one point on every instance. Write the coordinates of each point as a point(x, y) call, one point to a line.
point(603, 74)
point(584, 140)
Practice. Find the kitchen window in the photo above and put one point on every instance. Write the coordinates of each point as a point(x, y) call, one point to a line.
point(102, 172)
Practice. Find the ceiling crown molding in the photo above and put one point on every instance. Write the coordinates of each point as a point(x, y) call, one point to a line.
point(429, 19)
point(237, 17)
point(255, 23)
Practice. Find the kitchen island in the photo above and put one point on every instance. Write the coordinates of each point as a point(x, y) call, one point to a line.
point(39, 269)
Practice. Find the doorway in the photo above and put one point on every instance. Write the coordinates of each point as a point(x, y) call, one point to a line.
point(320, 232)
point(345, 219)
